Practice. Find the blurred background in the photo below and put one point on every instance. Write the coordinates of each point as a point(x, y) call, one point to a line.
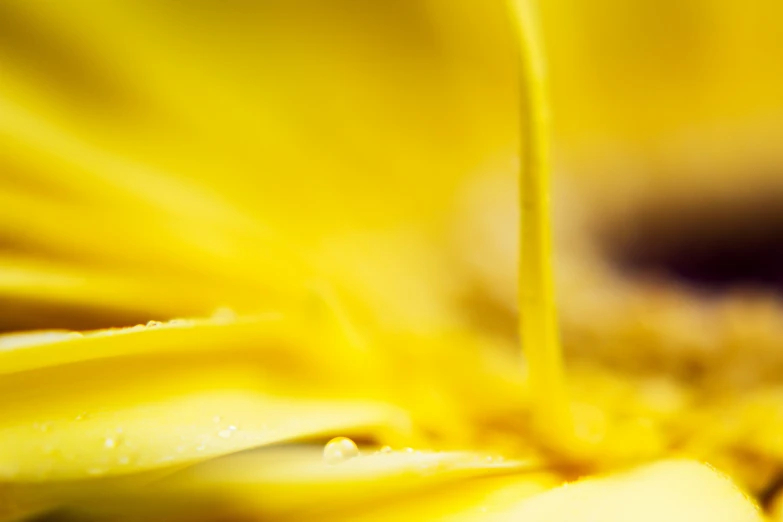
point(161, 159)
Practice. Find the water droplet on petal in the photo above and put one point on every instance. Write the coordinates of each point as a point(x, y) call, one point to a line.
point(110, 443)
point(339, 450)
point(154, 324)
point(123, 460)
point(224, 434)
point(386, 449)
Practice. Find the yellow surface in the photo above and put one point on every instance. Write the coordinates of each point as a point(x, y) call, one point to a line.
point(301, 166)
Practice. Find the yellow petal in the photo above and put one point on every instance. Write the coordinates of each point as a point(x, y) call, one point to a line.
point(116, 402)
point(296, 482)
point(670, 490)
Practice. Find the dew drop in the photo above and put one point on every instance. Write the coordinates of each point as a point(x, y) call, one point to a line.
point(386, 449)
point(110, 443)
point(339, 450)
point(224, 434)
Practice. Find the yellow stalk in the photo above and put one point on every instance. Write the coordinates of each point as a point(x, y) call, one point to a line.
point(538, 318)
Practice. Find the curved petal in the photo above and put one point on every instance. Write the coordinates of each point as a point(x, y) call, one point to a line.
point(669, 490)
point(117, 402)
point(295, 482)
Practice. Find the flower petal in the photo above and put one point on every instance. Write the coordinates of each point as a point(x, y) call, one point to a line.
point(669, 490)
point(117, 402)
point(295, 482)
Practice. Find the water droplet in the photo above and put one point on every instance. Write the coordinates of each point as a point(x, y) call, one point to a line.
point(201, 447)
point(109, 443)
point(408, 450)
point(339, 450)
point(123, 460)
point(154, 324)
point(386, 449)
point(232, 428)
point(224, 434)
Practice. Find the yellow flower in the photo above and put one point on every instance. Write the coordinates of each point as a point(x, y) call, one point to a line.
point(297, 168)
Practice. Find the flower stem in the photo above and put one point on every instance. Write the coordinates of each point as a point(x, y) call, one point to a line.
point(538, 316)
